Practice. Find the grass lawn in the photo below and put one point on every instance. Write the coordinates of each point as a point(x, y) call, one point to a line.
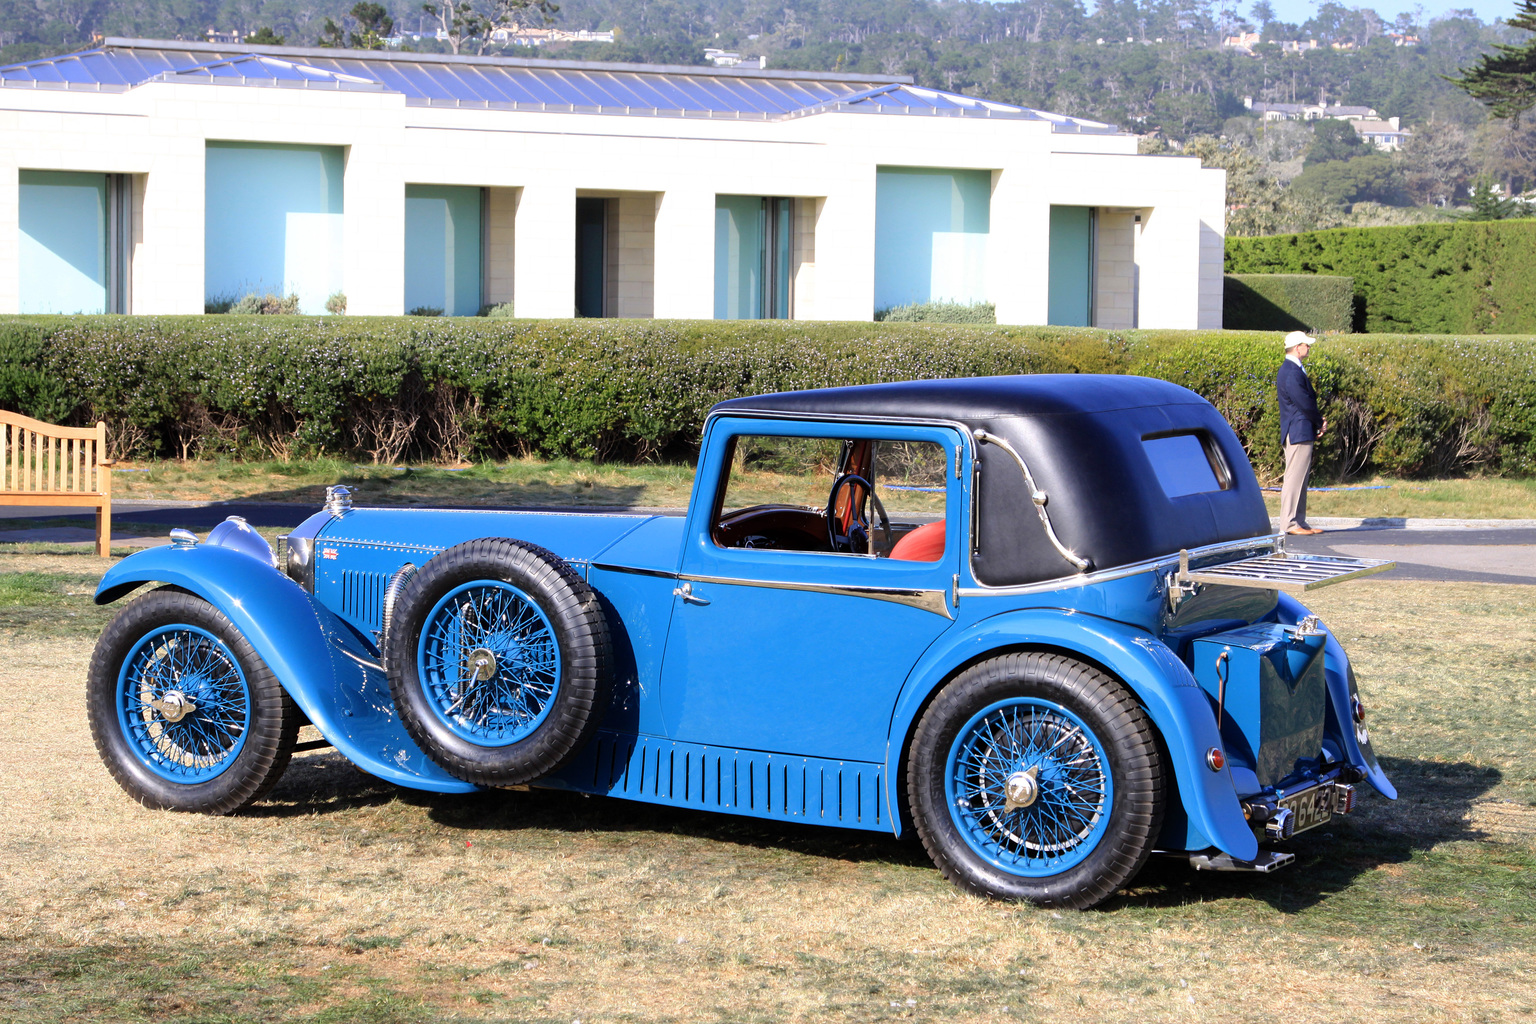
point(565, 482)
point(340, 898)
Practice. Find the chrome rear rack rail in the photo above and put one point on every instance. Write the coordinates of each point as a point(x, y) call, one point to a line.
point(1293, 573)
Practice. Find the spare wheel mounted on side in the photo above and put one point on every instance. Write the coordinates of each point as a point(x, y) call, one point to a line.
point(499, 661)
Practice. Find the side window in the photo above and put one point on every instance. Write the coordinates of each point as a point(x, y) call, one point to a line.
point(849, 496)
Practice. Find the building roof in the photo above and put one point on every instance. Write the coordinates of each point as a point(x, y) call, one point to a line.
point(510, 83)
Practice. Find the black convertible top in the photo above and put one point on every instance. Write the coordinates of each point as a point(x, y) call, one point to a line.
point(974, 400)
point(1082, 436)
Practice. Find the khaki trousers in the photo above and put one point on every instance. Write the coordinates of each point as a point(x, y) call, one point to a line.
point(1293, 489)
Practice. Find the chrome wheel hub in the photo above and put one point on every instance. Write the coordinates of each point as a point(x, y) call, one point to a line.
point(480, 665)
point(173, 706)
point(1022, 789)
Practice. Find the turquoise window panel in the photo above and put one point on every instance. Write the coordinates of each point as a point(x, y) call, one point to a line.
point(63, 242)
point(1071, 267)
point(780, 220)
point(740, 235)
point(754, 247)
point(442, 248)
point(931, 232)
point(273, 221)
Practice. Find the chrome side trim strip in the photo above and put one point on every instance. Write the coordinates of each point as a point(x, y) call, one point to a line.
point(1273, 542)
point(658, 573)
point(1039, 498)
point(936, 601)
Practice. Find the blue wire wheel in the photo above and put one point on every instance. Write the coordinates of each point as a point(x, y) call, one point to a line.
point(183, 703)
point(489, 663)
point(1029, 787)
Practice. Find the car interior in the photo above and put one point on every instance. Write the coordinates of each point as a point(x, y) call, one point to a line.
point(881, 499)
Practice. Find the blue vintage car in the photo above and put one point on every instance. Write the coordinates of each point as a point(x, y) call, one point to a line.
point(1041, 620)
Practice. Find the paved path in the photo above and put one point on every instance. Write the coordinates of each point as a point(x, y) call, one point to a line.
point(1485, 551)
point(1450, 550)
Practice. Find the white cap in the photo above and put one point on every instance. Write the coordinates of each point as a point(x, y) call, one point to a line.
point(1298, 338)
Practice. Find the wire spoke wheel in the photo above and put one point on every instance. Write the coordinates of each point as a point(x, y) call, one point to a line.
point(499, 661)
point(1032, 776)
point(1029, 786)
point(489, 662)
point(185, 714)
point(184, 703)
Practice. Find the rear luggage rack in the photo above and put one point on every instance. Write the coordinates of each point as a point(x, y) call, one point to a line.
point(1291, 572)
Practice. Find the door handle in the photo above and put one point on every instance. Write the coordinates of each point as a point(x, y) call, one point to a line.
point(686, 593)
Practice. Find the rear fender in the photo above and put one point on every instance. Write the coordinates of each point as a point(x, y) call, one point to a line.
point(1342, 691)
point(328, 671)
point(1160, 681)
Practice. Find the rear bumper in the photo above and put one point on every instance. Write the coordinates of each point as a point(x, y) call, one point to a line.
point(1277, 815)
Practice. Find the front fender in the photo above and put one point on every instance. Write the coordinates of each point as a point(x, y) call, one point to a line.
point(1161, 682)
point(327, 671)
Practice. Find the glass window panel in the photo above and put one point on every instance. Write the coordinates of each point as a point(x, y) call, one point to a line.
point(738, 257)
point(783, 249)
point(273, 222)
point(931, 231)
point(1181, 464)
point(442, 248)
point(1071, 267)
point(591, 255)
point(63, 240)
point(778, 491)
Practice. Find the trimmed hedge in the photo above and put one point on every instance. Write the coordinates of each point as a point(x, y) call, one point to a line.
point(1316, 303)
point(940, 313)
point(1471, 277)
point(471, 388)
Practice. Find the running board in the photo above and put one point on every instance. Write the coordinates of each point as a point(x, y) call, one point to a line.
point(1268, 860)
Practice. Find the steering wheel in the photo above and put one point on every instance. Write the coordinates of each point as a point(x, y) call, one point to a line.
point(856, 539)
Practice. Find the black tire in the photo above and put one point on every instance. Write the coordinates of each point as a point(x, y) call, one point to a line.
point(185, 714)
point(523, 701)
point(1087, 818)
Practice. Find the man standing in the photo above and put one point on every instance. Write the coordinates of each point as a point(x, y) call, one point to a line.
point(1300, 427)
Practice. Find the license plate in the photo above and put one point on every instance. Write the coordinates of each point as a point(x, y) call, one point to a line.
point(1310, 807)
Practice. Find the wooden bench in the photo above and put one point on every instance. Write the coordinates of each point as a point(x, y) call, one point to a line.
point(41, 464)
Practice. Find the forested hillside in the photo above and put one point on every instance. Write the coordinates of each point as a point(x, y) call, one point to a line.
point(1156, 67)
point(1171, 75)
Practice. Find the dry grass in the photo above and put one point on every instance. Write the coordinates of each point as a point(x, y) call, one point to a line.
point(1470, 498)
point(515, 482)
point(345, 899)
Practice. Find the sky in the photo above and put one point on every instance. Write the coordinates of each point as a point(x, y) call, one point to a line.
point(1299, 11)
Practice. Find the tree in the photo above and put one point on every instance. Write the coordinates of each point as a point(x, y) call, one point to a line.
point(1435, 163)
point(1505, 80)
point(265, 37)
point(1373, 178)
point(1489, 202)
point(1334, 140)
point(1263, 13)
point(373, 27)
point(1505, 150)
point(461, 21)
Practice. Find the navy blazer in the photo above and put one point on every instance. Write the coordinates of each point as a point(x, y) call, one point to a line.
point(1299, 419)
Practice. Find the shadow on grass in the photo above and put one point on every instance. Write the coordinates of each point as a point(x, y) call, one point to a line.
point(1434, 799)
point(1432, 809)
point(327, 784)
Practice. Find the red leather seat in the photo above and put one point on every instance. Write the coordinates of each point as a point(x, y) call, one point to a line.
point(924, 544)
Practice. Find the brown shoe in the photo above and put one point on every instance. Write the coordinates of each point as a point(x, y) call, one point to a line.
point(1303, 531)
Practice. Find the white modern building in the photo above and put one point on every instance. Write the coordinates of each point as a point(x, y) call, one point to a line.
point(158, 177)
